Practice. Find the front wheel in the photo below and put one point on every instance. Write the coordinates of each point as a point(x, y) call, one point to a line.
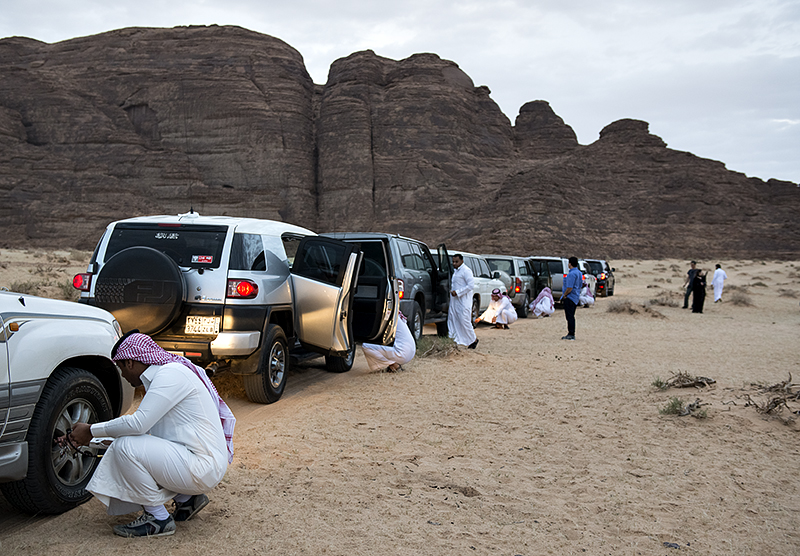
point(269, 381)
point(57, 477)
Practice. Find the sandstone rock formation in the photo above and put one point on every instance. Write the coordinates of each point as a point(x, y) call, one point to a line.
point(228, 121)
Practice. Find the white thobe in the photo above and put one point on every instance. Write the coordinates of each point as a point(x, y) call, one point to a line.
point(379, 357)
point(718, 282)
point(172, 444)
point(459, 314)
point(544, 307)
point(502, 309)
point(586, 297)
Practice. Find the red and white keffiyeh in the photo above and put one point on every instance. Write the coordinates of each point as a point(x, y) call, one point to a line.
point(142, 348)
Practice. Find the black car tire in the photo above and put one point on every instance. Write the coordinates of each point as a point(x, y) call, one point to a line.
point(476, 311)
point(341, 364)
point(522, 312)
point(142, 287)
point(267, 384)
point(415, 321)
point(609, 292)
point(57, 477)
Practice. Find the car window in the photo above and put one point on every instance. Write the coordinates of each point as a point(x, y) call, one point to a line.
point(195, 246)
point(247, 253)
point(484, 269)
point(320, 261)
point(523, 268)
point(595, 266)
point(407, 256)
point(555, 267)
point(374, 262)
point(419, 257)
point(427, 259)
point(502, 264)
point(290, 244)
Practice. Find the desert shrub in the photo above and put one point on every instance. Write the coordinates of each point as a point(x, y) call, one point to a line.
point(759, 285)
point(676, 268)
point(741, 299)
point(674, 407)
point(618, 306)
point(30, 287)
point(664, 300)
point(660, 384)
point(435, 346)
point(786, 293)
point(67, 292)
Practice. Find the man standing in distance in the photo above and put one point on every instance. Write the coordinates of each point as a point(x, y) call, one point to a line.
point(571, 296)
point(459, 315)
point(688, 283)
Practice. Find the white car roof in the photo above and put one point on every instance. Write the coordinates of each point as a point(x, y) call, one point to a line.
point(242, 225)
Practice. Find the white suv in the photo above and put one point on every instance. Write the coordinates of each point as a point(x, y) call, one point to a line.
point(55, 371)
point(240, 294)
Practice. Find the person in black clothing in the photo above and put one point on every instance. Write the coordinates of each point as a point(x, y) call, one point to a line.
point(689, 282)
point(698, 292)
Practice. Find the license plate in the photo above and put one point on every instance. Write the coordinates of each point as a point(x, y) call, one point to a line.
point(202, 325)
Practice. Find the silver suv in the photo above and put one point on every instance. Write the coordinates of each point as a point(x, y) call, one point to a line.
point(423, 279)
point(55, 371)
point(558, 267)
point(523, 280)
point(240, 294)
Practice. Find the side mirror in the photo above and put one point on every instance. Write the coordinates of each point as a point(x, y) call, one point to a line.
point(613, 270)
point(496, 275)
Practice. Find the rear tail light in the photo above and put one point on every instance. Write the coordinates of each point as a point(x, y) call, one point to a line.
point(82, 282)
point(602, 275)
point(518, 286)
point(400, 289)
point(565, 276)
point(242, 289)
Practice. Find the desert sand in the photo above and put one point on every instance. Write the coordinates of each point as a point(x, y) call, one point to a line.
point(528, 445)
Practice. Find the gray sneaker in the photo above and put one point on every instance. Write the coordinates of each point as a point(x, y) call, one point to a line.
point(568, 337)
point(146, 526)
point(186, 510)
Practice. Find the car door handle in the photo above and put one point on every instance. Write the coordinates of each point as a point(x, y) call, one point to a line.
point(343, 315)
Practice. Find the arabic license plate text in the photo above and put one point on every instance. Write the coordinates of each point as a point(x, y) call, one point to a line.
point(202, 325)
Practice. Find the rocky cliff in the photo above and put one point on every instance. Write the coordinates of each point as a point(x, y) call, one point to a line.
point(228, 121)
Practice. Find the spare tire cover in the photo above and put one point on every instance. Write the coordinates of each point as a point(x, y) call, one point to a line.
point(142, 287)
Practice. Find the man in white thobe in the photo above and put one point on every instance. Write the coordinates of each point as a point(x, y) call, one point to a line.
point(718, 282)
point(176, 445)
point(459, 314)
point(500, 311)
point(586, 298)
point(543, 304)
point(392, 357)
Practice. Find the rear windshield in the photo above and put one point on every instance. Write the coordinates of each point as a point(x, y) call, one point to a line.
point(188, 245)
point(596, 266)
point(502, 264)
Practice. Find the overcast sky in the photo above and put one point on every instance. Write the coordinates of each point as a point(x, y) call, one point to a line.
point(718, 78)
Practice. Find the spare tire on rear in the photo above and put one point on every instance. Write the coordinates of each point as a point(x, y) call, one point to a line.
point(142, 287)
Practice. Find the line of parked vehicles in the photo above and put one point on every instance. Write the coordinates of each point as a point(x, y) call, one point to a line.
point(244, 295)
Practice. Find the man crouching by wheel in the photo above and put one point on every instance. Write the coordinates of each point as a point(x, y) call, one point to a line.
point(177, 444)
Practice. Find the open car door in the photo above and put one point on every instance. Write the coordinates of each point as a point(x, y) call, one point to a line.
point(445, 273)
point(324, 275)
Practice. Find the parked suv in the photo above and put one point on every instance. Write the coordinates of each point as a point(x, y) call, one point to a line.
point(240, 294)
point(558, 267)
point(485, 281)
point(604, 274)
point(423, 279)
point(588, 278)
point(55, 371)
point(523, 280)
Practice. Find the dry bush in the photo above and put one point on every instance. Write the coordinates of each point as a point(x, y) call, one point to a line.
point(741, 299)
point(622, 307)
point(664, 300)
point(786, 293)
point(676, 268)
point(759, 285)
point(435, 346)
